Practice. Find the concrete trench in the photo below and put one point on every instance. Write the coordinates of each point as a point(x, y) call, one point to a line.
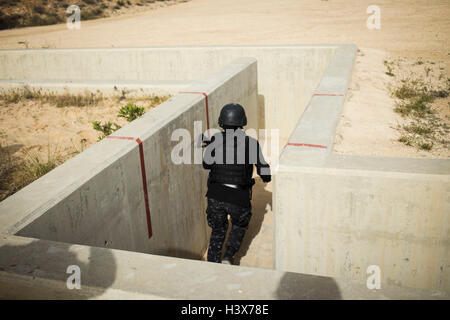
point(305, 241)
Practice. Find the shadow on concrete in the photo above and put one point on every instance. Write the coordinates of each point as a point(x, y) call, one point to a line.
point(179, 253)
point(42, 259)
point(297, 286)
point(261, 198)
point(261, 111)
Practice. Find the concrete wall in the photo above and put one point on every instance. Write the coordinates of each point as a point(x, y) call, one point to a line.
point(336, 215)
point(287, 75)
point(337, 222)
point(96, 198)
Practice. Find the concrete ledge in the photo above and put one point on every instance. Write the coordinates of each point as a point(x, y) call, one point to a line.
point(317, 125)
point(36, 269)
point(390, 164)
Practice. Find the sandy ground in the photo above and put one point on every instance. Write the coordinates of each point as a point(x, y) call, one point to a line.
point(368, 123)
point(32, 124)
point(65, 129)
point(409, 29)
point(415, 28)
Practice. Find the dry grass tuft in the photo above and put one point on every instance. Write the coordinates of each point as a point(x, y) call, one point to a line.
point(418, 93)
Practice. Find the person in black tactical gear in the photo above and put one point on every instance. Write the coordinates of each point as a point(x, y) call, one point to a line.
point(230, 155)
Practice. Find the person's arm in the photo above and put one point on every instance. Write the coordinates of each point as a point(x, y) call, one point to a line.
point(262, 167)
point(206, 166)
point(209, 150)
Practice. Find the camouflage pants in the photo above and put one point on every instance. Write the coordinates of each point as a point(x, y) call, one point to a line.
point(217, 217)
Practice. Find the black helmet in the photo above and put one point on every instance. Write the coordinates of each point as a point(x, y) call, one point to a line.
point(232, 114)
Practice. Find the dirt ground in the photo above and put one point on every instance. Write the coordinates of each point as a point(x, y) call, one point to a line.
point(65, 129)
point(368, 124)
point(410, 29)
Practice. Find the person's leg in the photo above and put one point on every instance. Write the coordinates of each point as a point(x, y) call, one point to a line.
point(218, 221)
point(240, 218)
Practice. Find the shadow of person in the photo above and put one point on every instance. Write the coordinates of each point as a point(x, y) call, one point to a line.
point(297, 286)
point(40, 259)
point(261, 111)
point(261, 199)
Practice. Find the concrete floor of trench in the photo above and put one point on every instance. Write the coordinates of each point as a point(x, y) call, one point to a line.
point(257, 246)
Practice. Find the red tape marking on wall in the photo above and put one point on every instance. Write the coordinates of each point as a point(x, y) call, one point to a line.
point(306, 145)
point(328, 94)
point(144, 179)
point(206, 104)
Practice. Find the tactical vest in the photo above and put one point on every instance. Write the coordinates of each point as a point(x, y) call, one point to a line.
point(234, 173)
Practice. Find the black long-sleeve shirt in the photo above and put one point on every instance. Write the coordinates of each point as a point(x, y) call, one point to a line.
point(247, 152)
